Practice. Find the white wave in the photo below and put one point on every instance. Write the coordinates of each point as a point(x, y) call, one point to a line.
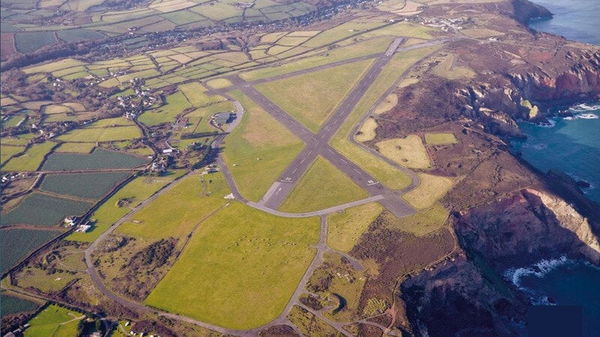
point(538, 270)
point(584, 107)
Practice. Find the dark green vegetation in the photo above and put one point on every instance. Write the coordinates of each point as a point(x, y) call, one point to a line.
point(15, 244)
point(12, 305)
point(99, 159)
point(38, 209)
point(84, 185)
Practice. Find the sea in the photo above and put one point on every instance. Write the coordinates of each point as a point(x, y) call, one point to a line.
point(570, 144)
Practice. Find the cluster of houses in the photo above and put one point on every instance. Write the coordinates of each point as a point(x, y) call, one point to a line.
point(445, 25)
point(74, 221)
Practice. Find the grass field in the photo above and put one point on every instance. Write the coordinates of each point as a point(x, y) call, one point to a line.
point(18, 243)
point(409, 151)
point(446, 68)
point(431, 189)
point(389, 102)
point(258, 150)
point(322, 186)
point(425, 221)
point(347, 226)
point(440, 138)
point(176, 212)
point(83, 185)
point(240, 268)
point(38, 209)
point(28, 42)
point(367, 130)
point(176, 103)
point(134, 192)
point(310, 98)
point(99, 159)
point(7, 151)
point(106, 134)
point(76, 147)
point(54, 321)
point(31, 159)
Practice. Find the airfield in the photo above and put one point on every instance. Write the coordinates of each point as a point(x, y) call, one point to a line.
point(300, 175)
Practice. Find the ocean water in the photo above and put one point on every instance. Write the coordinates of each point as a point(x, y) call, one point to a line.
point(570, 144)
point(574, 19)
point(565, 282)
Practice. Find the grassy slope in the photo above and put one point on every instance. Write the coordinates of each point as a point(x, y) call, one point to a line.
point(261, 148)
point(322, 186)
point(310, 98)
point(245, 262)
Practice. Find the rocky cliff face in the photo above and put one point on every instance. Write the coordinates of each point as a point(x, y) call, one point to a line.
point(525, 227)
point(467, 297)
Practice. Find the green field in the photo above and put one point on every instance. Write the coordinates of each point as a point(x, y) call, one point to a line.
point(31, 159)
point(258, 150)
point(347, 226)
point(99, 159)
point(54, 321)
point(15, 244)
point(368, 47)
point(310, 98)
point(247, 264)
point(430, 189)
point(38, 209)
point(175, 104)
point(322, 186)
point(107, 134)
point(421, 223)
point(14, 305)
point(8, 151)
point(29, 42)
point(440, 138)
point(83, 185)
point(408, 151)
point(134, 192)
point(176, 212)
point(76, 147)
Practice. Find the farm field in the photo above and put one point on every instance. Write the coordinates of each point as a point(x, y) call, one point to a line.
point(431, 189)
point(98, 159)
point(176, 212)
point(346, 227)
point(18, 243)
point(76, 147)
point(54, 321)
point(104, 134)
point(31, 159)
point(83, 185)
point(136, 191)
point(321, 91)
point(175, 104)
point(39, 209)
point(239, 257)
point(14, 305)
point(408, 151)
point(322, 186)
point(258, 150)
